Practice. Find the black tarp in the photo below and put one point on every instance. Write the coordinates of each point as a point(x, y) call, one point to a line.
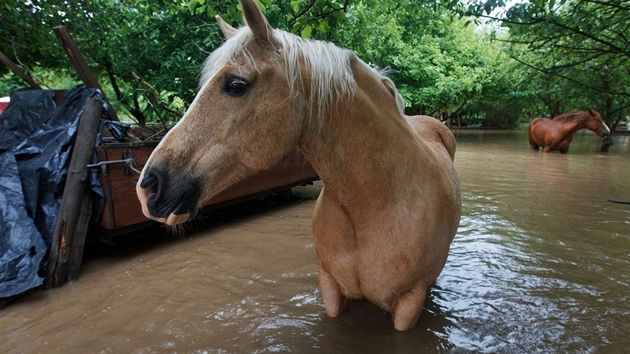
point(36, 139)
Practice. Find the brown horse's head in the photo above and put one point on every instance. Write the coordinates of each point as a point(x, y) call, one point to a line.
point(596, 124)
point(256, 99)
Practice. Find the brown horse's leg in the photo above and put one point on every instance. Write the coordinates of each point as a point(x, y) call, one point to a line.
point(532, 144)
point(408, 308)
point(334, 301)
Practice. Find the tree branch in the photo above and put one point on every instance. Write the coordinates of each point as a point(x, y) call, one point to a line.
point(302, 12)
point(589, 87)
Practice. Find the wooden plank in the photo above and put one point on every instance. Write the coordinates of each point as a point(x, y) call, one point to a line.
point(80, 233)
point(18, 71)
point(128, 211)
point(126, 207)
point(291, 169)
point(66, 249)
point(122, 198)
point(79, 63)
point(107, 218)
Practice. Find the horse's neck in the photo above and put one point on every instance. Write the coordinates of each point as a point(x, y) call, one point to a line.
point(360, 151)
point(573, 126)
point(359, 162)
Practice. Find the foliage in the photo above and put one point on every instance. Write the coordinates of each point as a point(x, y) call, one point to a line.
point(146, 54)
point(443, 66)
point(308, 18)
point(8, 84)
point(549, 56)
point(578, 49)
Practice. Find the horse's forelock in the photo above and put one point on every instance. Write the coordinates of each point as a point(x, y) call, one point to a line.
point(224, 54)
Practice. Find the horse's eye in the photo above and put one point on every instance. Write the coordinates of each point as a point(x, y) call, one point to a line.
point(236, 87)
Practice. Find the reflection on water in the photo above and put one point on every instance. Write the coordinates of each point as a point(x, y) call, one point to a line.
point(541, 263)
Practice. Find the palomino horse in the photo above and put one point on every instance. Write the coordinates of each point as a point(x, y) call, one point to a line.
point(556, 133)
point(391, 205)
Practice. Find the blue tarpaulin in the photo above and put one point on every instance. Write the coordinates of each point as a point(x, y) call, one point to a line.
point(36, 140)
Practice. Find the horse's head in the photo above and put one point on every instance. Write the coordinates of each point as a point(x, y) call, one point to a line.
point(596, 124)
point(243, 120)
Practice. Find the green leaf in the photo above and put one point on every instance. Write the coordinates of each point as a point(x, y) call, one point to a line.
point(192, 5)
point(322, 27)
point(306, 31)
point(262, 6)
point(295, 5)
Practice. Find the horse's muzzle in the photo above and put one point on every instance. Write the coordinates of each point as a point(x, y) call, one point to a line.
point(168, 200)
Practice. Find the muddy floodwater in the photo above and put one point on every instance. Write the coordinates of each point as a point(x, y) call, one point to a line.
point(541, 263)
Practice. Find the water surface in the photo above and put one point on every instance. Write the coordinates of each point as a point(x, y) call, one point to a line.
point(541, 263)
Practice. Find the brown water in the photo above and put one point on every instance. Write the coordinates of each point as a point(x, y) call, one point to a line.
point(541, 263)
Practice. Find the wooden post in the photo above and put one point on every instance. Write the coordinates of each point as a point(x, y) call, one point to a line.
point(66, 249)
point(18, 71)
point(79, 63)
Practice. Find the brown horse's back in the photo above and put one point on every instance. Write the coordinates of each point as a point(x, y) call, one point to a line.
point(434, 132)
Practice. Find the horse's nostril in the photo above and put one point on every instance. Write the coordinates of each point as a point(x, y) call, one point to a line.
point(150, 182)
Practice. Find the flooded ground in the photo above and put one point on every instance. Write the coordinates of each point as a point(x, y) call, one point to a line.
point(541, 263)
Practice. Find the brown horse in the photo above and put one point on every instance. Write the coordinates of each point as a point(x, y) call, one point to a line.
point(391, 205)
point(557, 133)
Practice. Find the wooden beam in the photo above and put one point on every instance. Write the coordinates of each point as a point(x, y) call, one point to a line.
point(79, 63)
point(66, 249)
point(18, 71)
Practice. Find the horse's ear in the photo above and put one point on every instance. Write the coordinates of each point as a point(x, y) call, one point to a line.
point(256, 21)
point(591, 112)
point(228, 31)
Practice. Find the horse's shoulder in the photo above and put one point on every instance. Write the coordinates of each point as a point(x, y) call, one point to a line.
point(432, 130)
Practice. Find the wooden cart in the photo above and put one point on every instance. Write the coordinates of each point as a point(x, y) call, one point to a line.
point(119, 165)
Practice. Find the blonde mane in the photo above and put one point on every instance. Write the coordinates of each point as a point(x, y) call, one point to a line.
point(328, 66)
